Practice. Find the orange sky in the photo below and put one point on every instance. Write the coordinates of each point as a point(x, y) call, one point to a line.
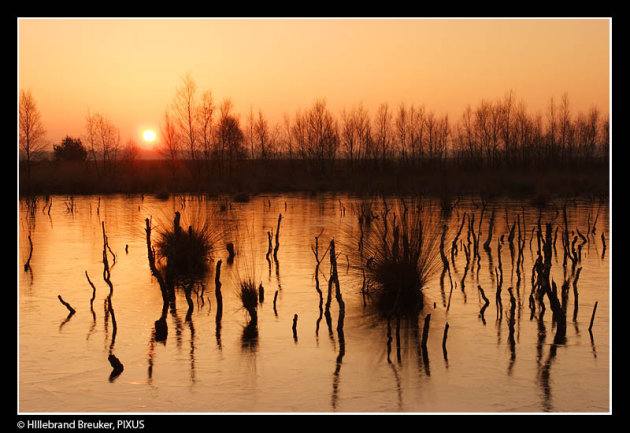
point(128, 69)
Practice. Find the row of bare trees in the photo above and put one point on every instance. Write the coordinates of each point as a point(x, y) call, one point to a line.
point(503, 131)
point(494, 132)
point(207, 136)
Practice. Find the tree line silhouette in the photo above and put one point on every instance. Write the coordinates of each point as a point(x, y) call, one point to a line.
point(209, 137)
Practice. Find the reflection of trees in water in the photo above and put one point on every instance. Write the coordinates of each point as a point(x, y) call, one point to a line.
point(250, 336)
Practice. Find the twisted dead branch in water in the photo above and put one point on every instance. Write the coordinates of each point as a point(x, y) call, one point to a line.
point(454, 243)
point(164, 288)
point(93, 293)
point(445, 263)
point(425, 331)
point(217, 292)
point(231, 252)
point(486, 245)
point(575, 294)
point(334, 279)
point(261, 294)
point(318, 261)
point(497, 298)
point(444, 337)
point(596, 217)
point(485, 305)
point(106, 269)
point(275, 250)
point(511, 322)
point(463, 284)
point(543, 268)
point(117, 367)
point(65, 304)
point(269, 249)
point(590, 326)
point(27, 265)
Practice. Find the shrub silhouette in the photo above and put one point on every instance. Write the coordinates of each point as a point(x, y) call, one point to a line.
point(70, 149)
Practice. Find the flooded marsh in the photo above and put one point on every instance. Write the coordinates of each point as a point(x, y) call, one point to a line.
point(313, 303)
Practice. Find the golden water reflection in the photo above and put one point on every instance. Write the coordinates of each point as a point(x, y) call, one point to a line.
point(200, 352)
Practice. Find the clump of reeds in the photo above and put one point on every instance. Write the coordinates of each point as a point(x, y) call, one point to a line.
point(249, 298)
point(400, 256)
point(187, 252)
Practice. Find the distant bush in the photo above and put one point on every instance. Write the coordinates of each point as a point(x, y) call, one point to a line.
point(71, 149)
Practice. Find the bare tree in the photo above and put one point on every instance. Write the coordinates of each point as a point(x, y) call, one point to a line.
point(204, 118)
point(592, 131)
point(495, 130)
point(363, 132)
point(262, 136)
point(564, 119)
point(298, 135)
point(170, 141)
point(506, 111)
point(466, 137)
point(91, 138)
point(287, 136)
point(551, 129)
point(605, 136)
point(431, 133)
point(321, 132)
point(416, 119)
point(522, 131)
point(185, 112)
point(383, 128)
point(443, 133)
point(103, 138)
point(250, 130)
point(31, 129)
point(348, 133)
point(109, 137)
point(403, 130)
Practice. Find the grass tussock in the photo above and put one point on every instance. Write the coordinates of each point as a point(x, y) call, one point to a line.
point(186, 253)
point(399, 257)
point(248, 293)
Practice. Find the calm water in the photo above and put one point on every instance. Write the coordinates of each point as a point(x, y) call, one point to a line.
point(63, 362)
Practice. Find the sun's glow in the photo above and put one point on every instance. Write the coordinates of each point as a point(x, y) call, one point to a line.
point(148, 135)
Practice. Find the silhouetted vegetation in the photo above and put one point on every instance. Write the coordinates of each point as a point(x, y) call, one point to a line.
point(187, 252)
point(497, 147)
point(31, 129)
point(400, 254)
point(70, 149)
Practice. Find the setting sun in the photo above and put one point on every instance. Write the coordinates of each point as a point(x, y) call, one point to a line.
point(148, 135)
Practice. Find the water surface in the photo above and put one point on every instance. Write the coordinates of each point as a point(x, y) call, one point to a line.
point(356, 367)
